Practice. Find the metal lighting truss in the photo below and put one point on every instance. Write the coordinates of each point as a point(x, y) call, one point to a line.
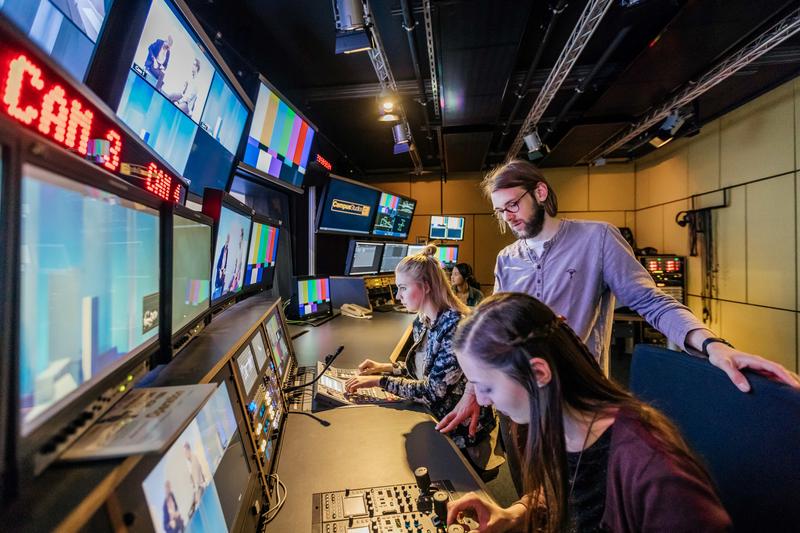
point(426, 6)
point(587, 23)
point(385, 77)
point(771, 38)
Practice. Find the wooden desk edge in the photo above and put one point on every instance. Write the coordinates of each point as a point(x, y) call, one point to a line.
point(398, 349)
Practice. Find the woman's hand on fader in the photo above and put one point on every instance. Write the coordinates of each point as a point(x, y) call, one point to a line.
point(369, 367)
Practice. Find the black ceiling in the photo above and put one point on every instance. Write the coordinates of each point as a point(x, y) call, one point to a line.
point(483, 50)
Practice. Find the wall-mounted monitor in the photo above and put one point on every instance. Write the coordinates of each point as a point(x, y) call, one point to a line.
point(191, 267)
point(393, 218)
point(89, 288)
point(263, 253)
point(447, 255)
point(393, 253)
point(347, 207)
point(67, 30)
point(363, 258)
point(414, 249)
point(447, 228)
point(177, 100)
point(279, 141)
point(232, 221)
point(311, 298)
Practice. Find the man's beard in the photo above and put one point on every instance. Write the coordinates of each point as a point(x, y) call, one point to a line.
point(532, 227)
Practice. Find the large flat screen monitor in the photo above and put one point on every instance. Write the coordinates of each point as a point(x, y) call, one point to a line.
point(363, 258)
point(280, 139)
point(230, 253)
point(191, 270)
point(448, 228)
point(348, 207)
point(312, 298)
point(394, 215)
point(393, 253)
point(89, 288)
point(180, 104)
point(67, 30)
point(181, 491)
point(263, 253)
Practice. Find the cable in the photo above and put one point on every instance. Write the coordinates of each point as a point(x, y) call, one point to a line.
point(272, 512)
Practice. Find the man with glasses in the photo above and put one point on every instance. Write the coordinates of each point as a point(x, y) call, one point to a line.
point(578, 268)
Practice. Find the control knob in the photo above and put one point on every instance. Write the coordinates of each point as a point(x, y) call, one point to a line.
point(423, 479)
point(440, 499)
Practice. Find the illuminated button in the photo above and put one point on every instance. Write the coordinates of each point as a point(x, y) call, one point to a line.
point(122, 388)
point(259, 427)
point(263, 445)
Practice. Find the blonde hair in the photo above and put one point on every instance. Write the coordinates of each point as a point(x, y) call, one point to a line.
point(425, 268)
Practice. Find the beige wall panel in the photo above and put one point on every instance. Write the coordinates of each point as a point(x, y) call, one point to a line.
point(771, 255)
point(650, 228)
point(612, 217)
point(571, 185)
point(770, 333)
point(703, 160)
point(730, 233)
point(642, 185)
point(464, 196)
point(676, 238)
point(757, 138)
point(797, 123)
point(714, 306)
point(694, 275)
point(420, 225)
point(488, 241)
point(664, 176)
point(466, 248)
point(630, 220)
point(611, 188)
point(428, 195)
point(402, 188)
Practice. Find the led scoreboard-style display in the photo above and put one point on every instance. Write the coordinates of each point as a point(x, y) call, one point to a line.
point(36, 96)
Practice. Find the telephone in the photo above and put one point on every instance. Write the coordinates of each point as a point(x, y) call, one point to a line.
point(356, 311)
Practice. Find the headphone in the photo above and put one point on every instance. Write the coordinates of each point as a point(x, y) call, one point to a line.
point(684, 218)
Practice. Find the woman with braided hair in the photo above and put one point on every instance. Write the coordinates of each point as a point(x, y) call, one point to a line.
point(596, 458)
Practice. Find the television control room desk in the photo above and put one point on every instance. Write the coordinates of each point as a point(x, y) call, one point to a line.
point(360, 446)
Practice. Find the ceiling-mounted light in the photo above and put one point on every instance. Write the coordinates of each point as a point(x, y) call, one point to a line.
point(666, 132)
point(387, 117)
point(352, 27)
point(401, 138)
point(536, 149)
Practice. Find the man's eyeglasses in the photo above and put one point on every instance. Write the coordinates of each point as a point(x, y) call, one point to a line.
point(511, 207)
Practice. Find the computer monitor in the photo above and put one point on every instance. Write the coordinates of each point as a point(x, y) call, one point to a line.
point(394, 215)
point(447, 228)
point(232, 226)
point(312, 298)
point(278, 341)
point(263, 253)
point(347, 207)
point(414, 249)
point(191, 267)
point(248, 370)
point(363, 258)
point(393, 253)
point(259, 350)
point(348, 290)
point(447, 255)
point(280, 138)
point(182, 488)
point(89, 287)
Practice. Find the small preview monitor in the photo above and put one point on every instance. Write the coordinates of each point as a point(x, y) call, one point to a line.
point(191, 269)
point(230, 253)
point(263, 254)
point(447, 255)
point(259, 350)
point(414, 249)
point(312, 297)
point(347, 207)
point(247, 369)
point(363, 258)
point(447, 228)
point(393, 253)
point(348, 290)
point(277, 338)
point(394, 215)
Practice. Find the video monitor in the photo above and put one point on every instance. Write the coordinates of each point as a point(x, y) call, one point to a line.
point(394, 215)
point(348, 207)
point(247, 369)
point(180, 104)
point(259, 350)
point(230, 253)
point(363, 258)
point(191, 270)
point(346, 290)
point(280, 139)
point(312, 297)
point(181, 491)
point(449, 228)
point(393, 253)
point(263, 254)
point(447, 255)
point(278, 342)
point(414, 249)
point(67, 30)
point(88, 290)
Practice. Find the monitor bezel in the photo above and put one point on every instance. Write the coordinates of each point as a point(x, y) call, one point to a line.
point(293, 302)
point(394, 237)
point(351, 249)
point(263, 219)
point(463, 227)
point(322, 202)
point(381, 270)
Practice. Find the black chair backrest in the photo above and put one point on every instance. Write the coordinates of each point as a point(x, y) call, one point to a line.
point(749, 442)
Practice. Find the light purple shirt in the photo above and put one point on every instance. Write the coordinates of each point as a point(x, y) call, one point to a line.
point(581, 270)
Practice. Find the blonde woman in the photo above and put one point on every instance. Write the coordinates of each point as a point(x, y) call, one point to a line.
point(430, 374)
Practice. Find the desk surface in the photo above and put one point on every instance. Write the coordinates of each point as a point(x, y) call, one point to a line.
point(362, 339)
point(360, 447)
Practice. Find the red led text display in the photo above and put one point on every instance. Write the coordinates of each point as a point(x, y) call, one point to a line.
point(48, 107)
point(324, 162)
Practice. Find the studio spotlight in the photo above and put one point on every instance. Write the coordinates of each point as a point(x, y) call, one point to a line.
point(352, 28)
point(536, 149)
point(387, 117)
point(666, 132)
point(401, 138)
point(386, 107)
